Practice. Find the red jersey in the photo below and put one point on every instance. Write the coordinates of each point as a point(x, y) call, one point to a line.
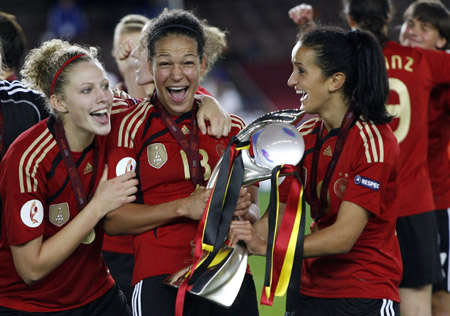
point(123, 244)
point(438, 139)
point(366, 175)
point(413, 72)
point(140, 141)
point(38, 201)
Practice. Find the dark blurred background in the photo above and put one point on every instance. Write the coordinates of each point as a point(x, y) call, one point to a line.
point(251, 77)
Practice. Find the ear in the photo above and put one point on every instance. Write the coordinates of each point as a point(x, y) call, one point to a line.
point(441, 43)
point(58, 104)
point(336, 81)
point(203, 65)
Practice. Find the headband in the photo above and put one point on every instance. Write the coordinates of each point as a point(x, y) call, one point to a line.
point(172, 26)
point(61, 69)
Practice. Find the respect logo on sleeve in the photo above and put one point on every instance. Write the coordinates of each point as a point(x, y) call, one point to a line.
point(367, 183)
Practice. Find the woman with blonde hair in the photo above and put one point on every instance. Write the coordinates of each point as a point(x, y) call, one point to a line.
point(55, 192)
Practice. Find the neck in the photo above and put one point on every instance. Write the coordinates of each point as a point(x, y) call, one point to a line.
point(134, 90)
point(333, 120)
point(77, 140)
point(149, 89)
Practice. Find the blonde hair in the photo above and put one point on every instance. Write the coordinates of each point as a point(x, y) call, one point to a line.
point(130, 23)
point(42, 63)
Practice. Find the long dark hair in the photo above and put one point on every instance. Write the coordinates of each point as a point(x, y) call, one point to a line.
point(359, 56)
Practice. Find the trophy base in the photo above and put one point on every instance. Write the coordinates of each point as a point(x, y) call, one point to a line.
point(221, 282)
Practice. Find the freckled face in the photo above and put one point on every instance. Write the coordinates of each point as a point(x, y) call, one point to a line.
point(176, 69)
point(307, 80)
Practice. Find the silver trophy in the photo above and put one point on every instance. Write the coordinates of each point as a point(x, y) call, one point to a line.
point(276, 141)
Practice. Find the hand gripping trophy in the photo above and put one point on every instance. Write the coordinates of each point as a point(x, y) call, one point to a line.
point(219, 269)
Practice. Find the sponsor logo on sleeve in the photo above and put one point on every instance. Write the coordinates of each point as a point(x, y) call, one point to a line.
point(32, 213)
point(367, 183)
point(125, 165)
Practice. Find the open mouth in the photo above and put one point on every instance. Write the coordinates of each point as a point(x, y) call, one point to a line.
point(100, 116)
point(303, 94)
point(178, 93)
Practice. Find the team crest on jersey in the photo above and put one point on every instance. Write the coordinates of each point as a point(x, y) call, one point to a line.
point(367, 183)
point(32, 213)
point(125, 165)
point(220, 149)
point(157, 155)
point(340, 186)
point(88, 168)
point(185, 130)
point(328, 152)
point(59, 214)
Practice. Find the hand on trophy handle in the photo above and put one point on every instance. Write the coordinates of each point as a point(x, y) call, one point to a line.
point(246, 231)
point(247, 205)
point(194, 205)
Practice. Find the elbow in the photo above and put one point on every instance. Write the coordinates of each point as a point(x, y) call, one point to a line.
point(109, 227)
point(29, 276)
point(344, 247)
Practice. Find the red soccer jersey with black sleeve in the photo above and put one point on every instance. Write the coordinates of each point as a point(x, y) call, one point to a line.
point(438, 139)
point(38, 200)
point(139, 140)
point(413, 73)
point(366, 175)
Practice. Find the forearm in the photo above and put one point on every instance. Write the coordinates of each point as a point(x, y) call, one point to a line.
point(37, 258)
point(133, 219)
point(340, 237)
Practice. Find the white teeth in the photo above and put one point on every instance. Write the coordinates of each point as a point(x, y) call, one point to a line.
point(300, 91)
point(99, 112)
point(177, 88)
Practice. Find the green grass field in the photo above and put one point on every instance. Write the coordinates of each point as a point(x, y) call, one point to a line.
point(257, 266)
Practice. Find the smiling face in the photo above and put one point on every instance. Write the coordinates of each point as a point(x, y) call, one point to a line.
point(416, 33)
point(176, 69)
point(85, 108)
point(308, 81)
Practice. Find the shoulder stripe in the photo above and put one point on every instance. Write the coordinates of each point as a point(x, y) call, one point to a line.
point(307, 127)
point(27, 172)
point(372, 140)
point(236, 121)
point(127, 131)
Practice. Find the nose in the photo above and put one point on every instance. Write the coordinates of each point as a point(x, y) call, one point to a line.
point(292, 81)
point(103, 95)
point(136, 52)
point(177, 72)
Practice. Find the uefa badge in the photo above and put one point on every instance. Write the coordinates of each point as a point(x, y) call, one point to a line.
point(125, 165)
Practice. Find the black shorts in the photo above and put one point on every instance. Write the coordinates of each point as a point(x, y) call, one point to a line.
point(121, 266)
point(303, 305)
point(443, 219)
point(112, 303)
point(418, 240)
point(152, 297)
